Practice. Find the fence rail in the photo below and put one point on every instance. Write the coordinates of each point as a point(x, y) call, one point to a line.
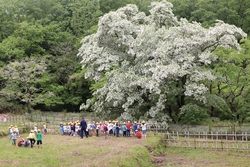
point(215, 141)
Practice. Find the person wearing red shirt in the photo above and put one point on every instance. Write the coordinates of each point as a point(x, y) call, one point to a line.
point(20, 142)
point(128, 128)
point(138, 134)
point(106, 131)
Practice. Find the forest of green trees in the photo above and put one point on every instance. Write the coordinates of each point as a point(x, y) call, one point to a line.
point(40, 70)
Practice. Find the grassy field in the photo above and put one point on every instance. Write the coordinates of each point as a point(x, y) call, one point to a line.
point(71, 151)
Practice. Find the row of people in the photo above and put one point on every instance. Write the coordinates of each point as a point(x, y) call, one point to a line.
point(98, 129)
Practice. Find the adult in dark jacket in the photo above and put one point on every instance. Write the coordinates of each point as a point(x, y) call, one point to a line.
point(83, 126)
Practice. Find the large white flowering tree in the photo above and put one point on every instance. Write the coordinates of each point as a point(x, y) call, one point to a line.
point(155, 66)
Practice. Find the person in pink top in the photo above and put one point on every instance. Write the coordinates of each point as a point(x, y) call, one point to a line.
point(128, 129)
point(101, 129)
point(76, 129)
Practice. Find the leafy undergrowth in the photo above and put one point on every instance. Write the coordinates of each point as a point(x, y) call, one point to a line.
point(71, 151)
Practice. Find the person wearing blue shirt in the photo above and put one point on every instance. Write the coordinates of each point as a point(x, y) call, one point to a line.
point(135, 126)
point(124, 129)
point(61, 128)
point(93, 128)
point(117, 129)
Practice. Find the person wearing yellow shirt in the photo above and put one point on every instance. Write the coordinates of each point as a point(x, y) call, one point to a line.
point(32, 138)
point(45, 128)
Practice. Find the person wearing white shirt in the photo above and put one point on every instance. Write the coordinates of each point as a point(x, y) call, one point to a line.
point(110, 128)
point(144, 129)
point(17, 131)
point(89, 129)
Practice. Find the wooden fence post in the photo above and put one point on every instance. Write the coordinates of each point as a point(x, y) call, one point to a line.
point(236, 141)
point(174, 139)
point(194, 141)
point(169, 140)
point(242, 142)
point(216, 140)
point(54, 127)
point(188, 140)
point(212, 136)
point(221, 142)
point(227, 141)
point(185, 139)
point(178, 139)
point(246, 142)
point(233, 140)
point(199, 140)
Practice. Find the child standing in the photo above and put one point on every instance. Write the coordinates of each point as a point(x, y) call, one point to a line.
point(135, 127)
point(72, 129)
point(79, 130)
point(117, 129)
point(128, 129)
point(13, 136)
point(45, 128)
point(144, 129)
point(114, 128)
point(61, 128)
point(89, 128)
point(110, 128)
point(10, 130)
point(17, 131)
point(35, 129)
point(97, 129)
point(124, 129)
point(32, 138)
point(93, 128)
point(65, 129)
point(101, 129)
point(76, 128)
point(106, 131)
point(39, 138)
point(69, 128)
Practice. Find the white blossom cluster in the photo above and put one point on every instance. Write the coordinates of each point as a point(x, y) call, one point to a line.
point(143, 56)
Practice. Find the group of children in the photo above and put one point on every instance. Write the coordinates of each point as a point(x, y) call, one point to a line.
point(30, 140)
point(107, 129)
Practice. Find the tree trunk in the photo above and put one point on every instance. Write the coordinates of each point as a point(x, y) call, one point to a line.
point(28, 106)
